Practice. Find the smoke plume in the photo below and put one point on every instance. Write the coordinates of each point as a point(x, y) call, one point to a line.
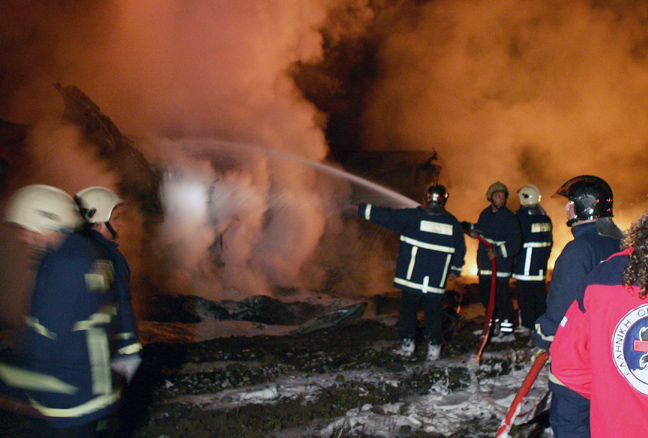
point(531, 92)
point(521, 93)
point(236, 224)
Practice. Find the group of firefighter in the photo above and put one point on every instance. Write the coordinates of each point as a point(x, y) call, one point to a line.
point(81, 337)
point(593, 320)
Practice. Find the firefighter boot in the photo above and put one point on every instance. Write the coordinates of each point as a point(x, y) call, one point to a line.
point(506, 327)
point(406, 348)
point(434, 352)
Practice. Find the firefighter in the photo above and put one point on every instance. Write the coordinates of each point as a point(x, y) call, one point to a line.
point(601, 347)
point(431, 252)
point(596, 237)
point(498, 226)
point(100, 208)
point(62, 366)
point(530, 265)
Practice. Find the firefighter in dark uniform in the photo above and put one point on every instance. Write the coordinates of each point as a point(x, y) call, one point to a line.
point(596, 237)
point(102, 211)
point(432, 250)
point(530, 265)
point(99, 207)
point(498, 226)
point(62, 366)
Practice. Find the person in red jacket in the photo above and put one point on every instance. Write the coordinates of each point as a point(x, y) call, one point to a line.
point(600, 349)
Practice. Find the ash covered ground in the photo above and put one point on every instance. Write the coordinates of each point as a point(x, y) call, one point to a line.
point(250, 376)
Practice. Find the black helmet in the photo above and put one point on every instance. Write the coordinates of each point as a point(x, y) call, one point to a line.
point(592, 197)
point(436, 194)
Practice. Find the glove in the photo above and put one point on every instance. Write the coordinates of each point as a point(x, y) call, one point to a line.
point(467, 227)
point(126, 365)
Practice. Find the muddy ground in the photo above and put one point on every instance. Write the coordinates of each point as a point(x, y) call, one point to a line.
point(155, 404)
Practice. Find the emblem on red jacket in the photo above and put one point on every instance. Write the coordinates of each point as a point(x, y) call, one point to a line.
point(630, 348)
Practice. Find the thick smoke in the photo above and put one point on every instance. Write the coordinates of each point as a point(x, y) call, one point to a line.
point(537, 93)
point(521, 93)
point(166, 71)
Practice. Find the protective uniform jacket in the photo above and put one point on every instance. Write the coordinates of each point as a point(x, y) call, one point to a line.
point(124, 337)
point(501, 229)
point(576, 261)
point(530, 264)
point(431, 245)
point(64, 365)
point(601, 352)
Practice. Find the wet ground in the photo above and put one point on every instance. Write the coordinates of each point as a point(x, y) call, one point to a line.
point(299, 385)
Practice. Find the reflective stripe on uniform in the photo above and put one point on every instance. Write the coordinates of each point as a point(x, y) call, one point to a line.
point(125, 336)
point(536, 244)
point(500, 244)
point(527, 262)
point(499, 274)
point(367, 212)
point(436, 228)
point(130, 349)
point(412, 262)
point(417, 286)
point(96, 318)
point(445, 270)
point(89, 407)
point(98, 351)
point(39, 328)
point(540, 227)
point(99, 354)
point(31, 380)
point(424, 245)
point(541, 276)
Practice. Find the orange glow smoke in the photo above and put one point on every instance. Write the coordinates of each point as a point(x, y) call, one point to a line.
point(502, 91)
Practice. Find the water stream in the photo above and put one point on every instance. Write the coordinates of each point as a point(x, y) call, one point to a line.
point(389, 196)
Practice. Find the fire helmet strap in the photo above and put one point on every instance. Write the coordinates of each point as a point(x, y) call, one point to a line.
point(111, 229)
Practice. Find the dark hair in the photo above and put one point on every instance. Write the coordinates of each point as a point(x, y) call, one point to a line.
point(637, 269)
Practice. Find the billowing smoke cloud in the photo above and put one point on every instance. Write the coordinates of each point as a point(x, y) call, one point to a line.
point(521, 93)
point(166, 71)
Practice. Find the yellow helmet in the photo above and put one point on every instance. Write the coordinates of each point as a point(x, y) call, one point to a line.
point(496, 187)
point(97, 203)
point(41, 208)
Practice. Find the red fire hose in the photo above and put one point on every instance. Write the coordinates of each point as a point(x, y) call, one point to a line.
point(514, 410)
point(483, 339)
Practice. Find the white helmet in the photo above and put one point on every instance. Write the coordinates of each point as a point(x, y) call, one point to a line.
point(41, 208)
point(529, 195)
point(97, 203)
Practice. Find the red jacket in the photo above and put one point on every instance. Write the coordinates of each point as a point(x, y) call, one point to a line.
point(601, 351)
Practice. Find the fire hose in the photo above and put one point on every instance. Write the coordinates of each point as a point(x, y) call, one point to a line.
point(483, 339)
point(516, 405)
point(514, 410)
